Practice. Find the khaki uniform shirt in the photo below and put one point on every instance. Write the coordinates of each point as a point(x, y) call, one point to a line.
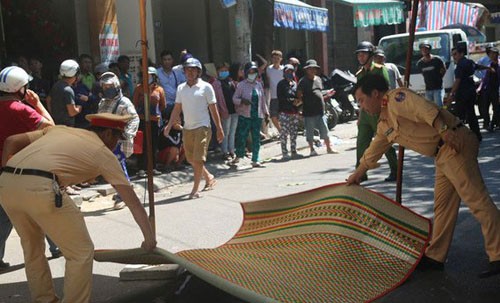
point(406, 119)
point(73, 155)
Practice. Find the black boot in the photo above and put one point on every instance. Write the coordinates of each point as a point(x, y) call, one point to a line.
point(493, 269)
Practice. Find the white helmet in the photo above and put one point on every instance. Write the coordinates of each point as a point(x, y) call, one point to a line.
point(13, 78)
point(69, 68)
point(152, 71)
point(109, 78)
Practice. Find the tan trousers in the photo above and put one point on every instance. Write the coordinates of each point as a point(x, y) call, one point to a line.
point(29, 203)
point(458, 178)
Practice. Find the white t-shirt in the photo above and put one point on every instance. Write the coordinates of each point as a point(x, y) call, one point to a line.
point(195, 100)
point(274, 76)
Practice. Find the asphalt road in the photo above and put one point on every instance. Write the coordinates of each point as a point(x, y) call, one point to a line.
point(213, 219)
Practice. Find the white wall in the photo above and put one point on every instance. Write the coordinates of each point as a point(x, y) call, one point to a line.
point(129, 28)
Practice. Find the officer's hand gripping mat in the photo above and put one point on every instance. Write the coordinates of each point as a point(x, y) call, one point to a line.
point(335, 243)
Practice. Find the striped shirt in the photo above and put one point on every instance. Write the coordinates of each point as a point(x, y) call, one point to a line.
point(124, 108)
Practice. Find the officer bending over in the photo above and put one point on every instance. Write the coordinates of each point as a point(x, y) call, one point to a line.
point(37, 166)
point(418, 124)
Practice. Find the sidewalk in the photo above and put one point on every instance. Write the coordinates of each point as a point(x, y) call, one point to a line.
point(99, 197)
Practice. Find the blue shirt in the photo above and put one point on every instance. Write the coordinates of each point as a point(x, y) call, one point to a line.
point(127, 78)
point(170, 81)
point(483, 61)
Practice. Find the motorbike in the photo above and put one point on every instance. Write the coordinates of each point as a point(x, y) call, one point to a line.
point(333, 111)
point(343, 84)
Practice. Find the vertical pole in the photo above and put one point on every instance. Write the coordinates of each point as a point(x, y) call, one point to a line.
point(411, 39)
point(210, 49)
point(243, 31)
point(147, 121)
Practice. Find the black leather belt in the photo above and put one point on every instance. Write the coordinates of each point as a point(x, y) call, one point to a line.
point(441, 142)
point(29, 172)
point(40, 173)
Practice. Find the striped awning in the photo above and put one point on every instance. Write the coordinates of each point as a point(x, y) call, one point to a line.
point(434, 15)
point(298, 15)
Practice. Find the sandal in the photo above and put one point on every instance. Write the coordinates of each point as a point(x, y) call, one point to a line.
point(210, 185)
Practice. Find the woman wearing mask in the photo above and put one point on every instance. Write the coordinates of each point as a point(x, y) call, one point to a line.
point(288, 113)
point(157, 104)
point(251, 108)
point(224, 88)
point(113, 101)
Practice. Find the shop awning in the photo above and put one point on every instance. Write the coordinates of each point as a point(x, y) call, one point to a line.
point(296, 14)
point(370, 12)
point(437, 14)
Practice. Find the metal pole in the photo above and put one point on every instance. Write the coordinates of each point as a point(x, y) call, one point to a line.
point(411, 39)
point(147, 121)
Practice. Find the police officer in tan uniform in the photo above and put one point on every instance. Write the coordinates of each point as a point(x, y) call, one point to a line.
point(420, 125)
point(37, 166)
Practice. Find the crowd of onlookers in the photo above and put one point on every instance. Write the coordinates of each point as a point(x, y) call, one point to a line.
point(80, 90)
point(84, 87)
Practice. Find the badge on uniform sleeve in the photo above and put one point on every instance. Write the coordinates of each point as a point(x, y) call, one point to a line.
point(400, 97)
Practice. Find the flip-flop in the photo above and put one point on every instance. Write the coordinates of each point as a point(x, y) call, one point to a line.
point(210, 185)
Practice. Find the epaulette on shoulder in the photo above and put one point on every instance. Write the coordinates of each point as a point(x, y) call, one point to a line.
point(359, 72)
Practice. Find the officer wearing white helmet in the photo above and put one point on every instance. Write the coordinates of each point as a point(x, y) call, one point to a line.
point(15, 117)
point(61, 99)
point(114, 102)
point(196, 100)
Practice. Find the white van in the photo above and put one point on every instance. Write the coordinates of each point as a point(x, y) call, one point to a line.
point(442, 41)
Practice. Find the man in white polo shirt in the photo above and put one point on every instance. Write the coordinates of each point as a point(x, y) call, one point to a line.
point(274, 74)
point(196, 100)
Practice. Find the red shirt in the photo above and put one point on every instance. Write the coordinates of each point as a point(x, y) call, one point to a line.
point(16, 118)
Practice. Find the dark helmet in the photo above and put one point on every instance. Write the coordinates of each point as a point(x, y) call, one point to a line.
point(249, 66)
point(425, 44)
point(489, 47)
point(379, 52)
point(192, 62)
point(365, 46)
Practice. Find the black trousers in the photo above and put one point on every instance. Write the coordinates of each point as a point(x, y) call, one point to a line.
point(489, 98)
point(465, 111)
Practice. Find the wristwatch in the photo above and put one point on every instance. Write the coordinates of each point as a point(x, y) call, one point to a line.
point(443, 128)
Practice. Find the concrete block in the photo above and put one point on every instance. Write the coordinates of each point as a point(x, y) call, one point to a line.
point(149, 272)
point(106, 190)
point(89, 195)
point(77, 199)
